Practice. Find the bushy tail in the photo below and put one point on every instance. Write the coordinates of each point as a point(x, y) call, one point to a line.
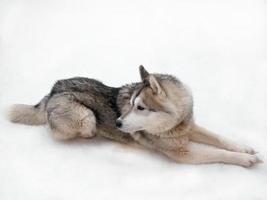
point(27, 114)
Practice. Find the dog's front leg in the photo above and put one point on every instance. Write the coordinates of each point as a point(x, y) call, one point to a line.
point(201, 154)
point(201, 135)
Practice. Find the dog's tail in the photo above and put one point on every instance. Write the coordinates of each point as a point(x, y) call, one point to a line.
point(28, 114)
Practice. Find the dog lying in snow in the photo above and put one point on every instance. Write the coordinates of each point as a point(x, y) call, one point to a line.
point(156, 113)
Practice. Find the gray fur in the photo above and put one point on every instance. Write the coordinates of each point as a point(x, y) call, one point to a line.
point(95, 102)
point(103, 102)
point(66, 96)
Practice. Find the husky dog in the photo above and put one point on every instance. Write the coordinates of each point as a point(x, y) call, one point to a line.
point(156, 113)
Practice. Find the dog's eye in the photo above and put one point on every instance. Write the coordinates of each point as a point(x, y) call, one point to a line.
point(140, 108)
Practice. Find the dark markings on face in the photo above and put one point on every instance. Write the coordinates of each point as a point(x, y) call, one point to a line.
point(148, 97)
point(137, 93)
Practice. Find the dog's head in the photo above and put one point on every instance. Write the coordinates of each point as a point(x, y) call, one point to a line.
point(159, 104)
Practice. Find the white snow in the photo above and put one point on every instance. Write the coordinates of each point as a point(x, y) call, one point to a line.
point(217, 47)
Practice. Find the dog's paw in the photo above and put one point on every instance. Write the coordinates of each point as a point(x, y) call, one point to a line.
point(246, 149)
point(242, 149)
point(249, 160)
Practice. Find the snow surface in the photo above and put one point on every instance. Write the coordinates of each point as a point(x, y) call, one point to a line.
point(217, 47)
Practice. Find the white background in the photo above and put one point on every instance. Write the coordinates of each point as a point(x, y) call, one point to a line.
point(218, 48)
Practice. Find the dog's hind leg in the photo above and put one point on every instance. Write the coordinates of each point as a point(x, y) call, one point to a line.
point(69, 119)
point(202, 154)
point(201, 135)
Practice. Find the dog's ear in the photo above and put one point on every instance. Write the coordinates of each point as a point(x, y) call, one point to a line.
point(143, 73)
point(155, 85)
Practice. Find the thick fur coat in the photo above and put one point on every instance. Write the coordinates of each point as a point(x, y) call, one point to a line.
point(156, 113)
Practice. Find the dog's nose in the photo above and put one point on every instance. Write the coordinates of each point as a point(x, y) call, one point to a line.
point(118, 123)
